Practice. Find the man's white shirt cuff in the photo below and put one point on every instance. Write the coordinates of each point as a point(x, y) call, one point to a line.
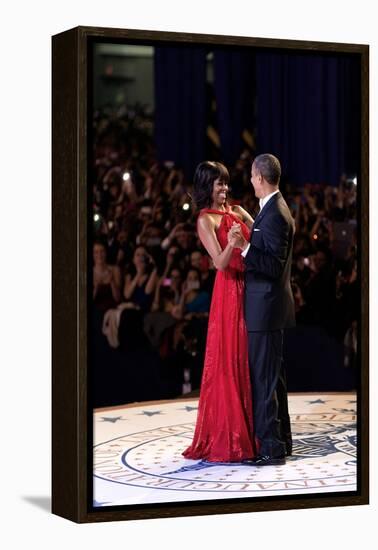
point(245, 252)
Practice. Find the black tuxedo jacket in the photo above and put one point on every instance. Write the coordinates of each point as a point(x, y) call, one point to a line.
point(269, 303)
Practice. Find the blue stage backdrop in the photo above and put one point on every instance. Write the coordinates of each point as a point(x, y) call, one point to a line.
point(180, 105)
point(234, 82)
point(308, 114)
point(303, 107)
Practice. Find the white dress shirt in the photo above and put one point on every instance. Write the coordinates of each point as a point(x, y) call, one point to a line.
point(262, 203)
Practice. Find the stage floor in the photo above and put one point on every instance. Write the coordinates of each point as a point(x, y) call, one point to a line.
point(137, 454)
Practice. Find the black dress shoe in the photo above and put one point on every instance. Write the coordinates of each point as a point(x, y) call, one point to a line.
point(265, 460)
point(289, 449)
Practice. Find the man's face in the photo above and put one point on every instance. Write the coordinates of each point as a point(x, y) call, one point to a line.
point(256, 180)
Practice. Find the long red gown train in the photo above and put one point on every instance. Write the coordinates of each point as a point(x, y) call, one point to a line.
point(224, 424)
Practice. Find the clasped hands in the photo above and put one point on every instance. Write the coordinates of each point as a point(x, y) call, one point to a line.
point(235, 236)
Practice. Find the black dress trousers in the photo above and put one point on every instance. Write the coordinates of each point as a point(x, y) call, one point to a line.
point(271, 417)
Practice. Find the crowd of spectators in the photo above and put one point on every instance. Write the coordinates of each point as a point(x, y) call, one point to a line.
point(147, 256)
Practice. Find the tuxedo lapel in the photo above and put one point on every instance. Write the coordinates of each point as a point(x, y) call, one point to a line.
point(267, 207)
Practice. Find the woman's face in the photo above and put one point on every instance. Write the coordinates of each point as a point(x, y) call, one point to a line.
point(220, 190)
point(122, 237)
point(196, 259)
point(192, 277)
point(99, 254)
point(183, 238)
point(113, 190)
point(139, 257)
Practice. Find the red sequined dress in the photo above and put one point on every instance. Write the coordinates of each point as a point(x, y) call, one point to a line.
point(224, 424)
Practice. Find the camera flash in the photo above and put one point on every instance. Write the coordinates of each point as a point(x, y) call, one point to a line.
point(96, 217)
point(185, 206)
point(355, 181)
point(126, 176)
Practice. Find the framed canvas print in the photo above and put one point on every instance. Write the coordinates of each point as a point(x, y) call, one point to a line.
point(210, 274)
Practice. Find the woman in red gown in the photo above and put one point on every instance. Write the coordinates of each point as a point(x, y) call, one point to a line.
point(224, 427)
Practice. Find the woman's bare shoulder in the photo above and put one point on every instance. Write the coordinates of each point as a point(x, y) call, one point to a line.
point(206, 220)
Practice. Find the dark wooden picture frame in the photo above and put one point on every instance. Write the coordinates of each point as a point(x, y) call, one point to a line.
point(71, 417)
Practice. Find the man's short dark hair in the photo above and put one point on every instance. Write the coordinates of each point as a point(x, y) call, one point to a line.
point(269, 167)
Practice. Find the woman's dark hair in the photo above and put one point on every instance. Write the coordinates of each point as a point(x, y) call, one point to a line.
point(131, 269)
point(203, 182)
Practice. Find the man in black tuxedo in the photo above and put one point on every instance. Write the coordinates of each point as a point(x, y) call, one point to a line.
point(269, 308)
